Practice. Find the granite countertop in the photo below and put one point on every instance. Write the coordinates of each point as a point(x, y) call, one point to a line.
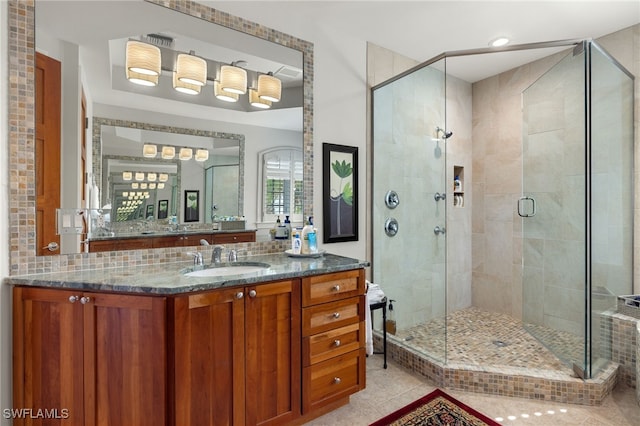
point(166, 233)
point(169, 278)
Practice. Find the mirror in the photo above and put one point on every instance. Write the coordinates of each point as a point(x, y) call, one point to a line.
point(89, 38)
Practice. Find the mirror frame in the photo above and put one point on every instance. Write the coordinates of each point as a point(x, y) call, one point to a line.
point(97, 156)
point(21, 112)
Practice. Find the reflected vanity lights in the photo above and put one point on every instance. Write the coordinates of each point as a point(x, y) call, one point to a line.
point(143, 66)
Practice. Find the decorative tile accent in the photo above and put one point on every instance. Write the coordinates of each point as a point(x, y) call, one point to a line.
point(22, 238)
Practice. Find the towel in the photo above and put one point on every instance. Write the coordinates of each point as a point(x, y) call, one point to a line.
point(373, 295)
point(368, 334)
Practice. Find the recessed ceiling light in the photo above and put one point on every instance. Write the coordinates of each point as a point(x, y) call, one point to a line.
point(500, 41)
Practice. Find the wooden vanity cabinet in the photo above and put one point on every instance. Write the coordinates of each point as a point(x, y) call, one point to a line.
point(237, 356)
point(333, 354)
point(97, 358)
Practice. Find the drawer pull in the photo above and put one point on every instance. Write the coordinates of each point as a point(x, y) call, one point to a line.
point(84, 300)
point(253, 293)
point(336, 315)
point(336, 287)
point(337, 380)
point(337, 343)
point(73, 299)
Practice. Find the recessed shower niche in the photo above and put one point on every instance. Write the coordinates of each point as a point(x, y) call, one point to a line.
point(458, 186)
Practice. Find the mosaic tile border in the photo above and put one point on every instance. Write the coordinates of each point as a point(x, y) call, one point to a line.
point(22, 237)
point(510, 382)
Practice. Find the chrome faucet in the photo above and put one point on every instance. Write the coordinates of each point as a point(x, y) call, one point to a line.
point(233, 255)
point(197, 258)
point(216, 256)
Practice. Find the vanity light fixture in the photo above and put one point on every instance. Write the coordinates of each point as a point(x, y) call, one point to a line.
point(269, 87)
point(233, 78)
point(127, 175)
point(224, 95)
point(183, 87)
point(202, 155)
point(168, 152)
point(149, 150)
point(191, 69)
point(499, 41)
point(185, 154)
point(255, 100)
point(163, 177)
point(139, 176)
point(151, 176)
point(143, 63)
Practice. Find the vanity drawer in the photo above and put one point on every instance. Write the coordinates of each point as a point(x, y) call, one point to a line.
point(234, 237)
point(330, 287)
point(322, 346)
point(333, 379)
point(329, 316)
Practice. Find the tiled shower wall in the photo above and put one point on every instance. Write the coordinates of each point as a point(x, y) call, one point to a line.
point(497, 168)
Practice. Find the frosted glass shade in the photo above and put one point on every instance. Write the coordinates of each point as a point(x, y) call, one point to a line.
point(191, 69)
point(152, 185)
point(151, 177)
point(233, 79)
point(139, 176)
point(142, 58)
point(185, 154)
point(182, 87)
point(256, 102)
point(143, 185)
point(163, 177)
point(202, 155)
point(127, 175)
point(223, 95)
point(134, 185)
point(142, 79)
point(149, 150)
point(269, 88)
point(168, 152)
point(161, 186)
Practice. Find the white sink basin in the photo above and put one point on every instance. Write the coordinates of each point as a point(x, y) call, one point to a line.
point(240, 268)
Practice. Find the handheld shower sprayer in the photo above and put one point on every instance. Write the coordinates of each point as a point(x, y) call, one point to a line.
point(445, 134)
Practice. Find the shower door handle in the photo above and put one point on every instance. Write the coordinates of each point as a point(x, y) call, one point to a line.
point(521, 201)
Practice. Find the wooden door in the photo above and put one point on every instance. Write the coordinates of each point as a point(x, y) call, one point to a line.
point(47, 151)
point(125, 359)
point(272, 333)
point(208, 369)
point(48, 352)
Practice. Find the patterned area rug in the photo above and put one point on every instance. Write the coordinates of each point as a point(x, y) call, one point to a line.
point(436, 408)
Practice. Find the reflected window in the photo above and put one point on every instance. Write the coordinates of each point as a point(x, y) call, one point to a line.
point(281, 184)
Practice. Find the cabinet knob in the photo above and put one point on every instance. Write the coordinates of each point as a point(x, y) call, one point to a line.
point(253, 293)
point(239, 295)
point(85, 299)
point(337, 380)
point(336, 315)
point(73, 299)
point(336, 287)
point(337, 342)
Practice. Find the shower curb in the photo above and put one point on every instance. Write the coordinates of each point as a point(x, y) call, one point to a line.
point(535, 384)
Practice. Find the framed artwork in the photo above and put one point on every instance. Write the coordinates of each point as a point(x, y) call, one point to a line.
point(149, 212)
point(191, 206)
point(163, 209)
point(340, 192)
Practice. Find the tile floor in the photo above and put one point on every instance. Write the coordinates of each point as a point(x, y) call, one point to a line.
point(390, 389)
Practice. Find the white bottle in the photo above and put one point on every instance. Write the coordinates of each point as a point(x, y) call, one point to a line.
point(296, 242)
point(308, 228)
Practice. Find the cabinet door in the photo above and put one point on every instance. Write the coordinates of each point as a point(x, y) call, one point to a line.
point(272, 323)
point(208, 369)
point(47, 347)
point(125, 359)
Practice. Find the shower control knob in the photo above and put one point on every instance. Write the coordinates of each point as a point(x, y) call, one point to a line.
point(438, 230)
point(391, 199)
point(391, 227)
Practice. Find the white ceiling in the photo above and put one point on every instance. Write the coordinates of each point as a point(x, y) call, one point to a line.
point(422, 30)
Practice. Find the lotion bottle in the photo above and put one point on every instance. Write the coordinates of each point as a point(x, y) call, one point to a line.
point(308, 228)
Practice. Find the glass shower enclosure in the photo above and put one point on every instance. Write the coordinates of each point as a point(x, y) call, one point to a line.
point(575, 210)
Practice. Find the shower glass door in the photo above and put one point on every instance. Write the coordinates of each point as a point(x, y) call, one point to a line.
point(554, 209)
point(409, 156)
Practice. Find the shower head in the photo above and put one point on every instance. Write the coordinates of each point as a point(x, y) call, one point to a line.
point(445, 134)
